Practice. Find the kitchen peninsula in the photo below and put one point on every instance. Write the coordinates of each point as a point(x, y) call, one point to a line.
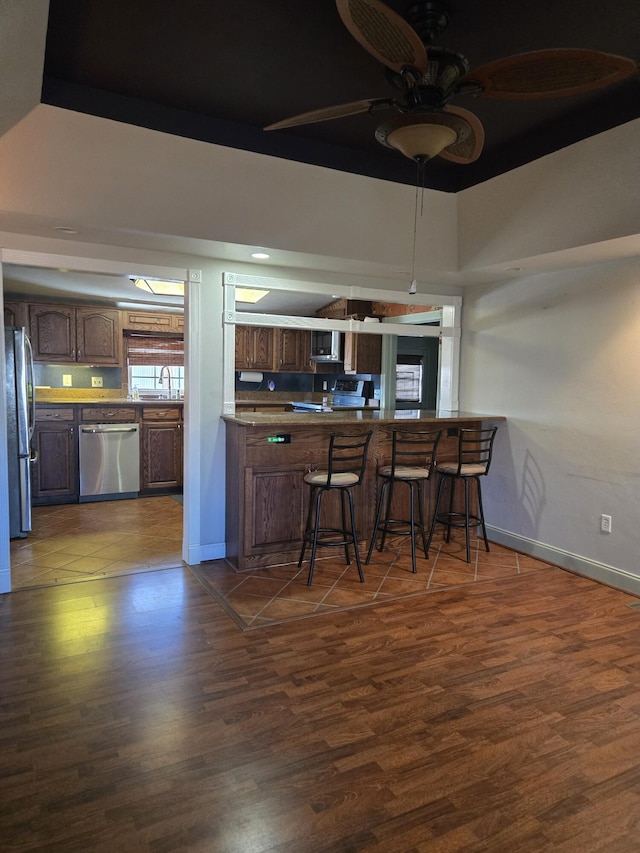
point(268, 455)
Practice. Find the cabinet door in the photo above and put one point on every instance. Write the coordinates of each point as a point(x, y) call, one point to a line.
point(16, 314)
point(98, 336)
point(54, 475)
point(53, 333)
point(289, 353)
point(263, 349)
point(243, 347)
point(161, 456)
point(275, 505)
point(362, 353)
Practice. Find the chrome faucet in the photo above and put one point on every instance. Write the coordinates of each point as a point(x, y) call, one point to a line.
point(168, 377)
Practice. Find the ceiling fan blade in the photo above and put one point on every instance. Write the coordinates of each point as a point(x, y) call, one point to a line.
point(384, 34)
point(469, 146)
point(550, 73)
point(327, 113)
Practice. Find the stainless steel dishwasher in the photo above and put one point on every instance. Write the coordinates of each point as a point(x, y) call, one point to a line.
point(109, 461)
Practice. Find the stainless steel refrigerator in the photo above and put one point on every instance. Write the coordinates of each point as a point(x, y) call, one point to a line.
point(21, 406)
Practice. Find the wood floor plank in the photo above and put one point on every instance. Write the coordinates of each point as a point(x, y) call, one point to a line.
point(501, 716)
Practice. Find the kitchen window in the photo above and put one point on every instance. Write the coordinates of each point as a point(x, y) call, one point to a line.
point(155, 362)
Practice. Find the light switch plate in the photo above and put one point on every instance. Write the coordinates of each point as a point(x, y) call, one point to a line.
point(66, 380)
point(96, 381)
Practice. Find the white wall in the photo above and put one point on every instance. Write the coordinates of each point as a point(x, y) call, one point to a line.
point(583, 194)
point(558, 355)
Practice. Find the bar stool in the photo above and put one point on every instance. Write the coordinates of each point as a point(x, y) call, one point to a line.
point(345, 469)
point(412, 460)
point(475, 448)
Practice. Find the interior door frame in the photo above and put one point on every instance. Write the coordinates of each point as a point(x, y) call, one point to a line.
point(192, 279)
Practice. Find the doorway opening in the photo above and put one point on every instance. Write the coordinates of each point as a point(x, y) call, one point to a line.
point(416, 373)
point(83, 536)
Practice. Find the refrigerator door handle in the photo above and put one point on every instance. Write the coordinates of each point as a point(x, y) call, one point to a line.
point(31, 387)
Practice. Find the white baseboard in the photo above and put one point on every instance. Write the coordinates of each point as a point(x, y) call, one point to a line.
point(197, 554)
point(601, 572)
point(5, 580)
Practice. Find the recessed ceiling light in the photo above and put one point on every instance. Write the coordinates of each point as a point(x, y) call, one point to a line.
point(64, 229)
point(247, 294)
point(260, 256)
point(160, 288)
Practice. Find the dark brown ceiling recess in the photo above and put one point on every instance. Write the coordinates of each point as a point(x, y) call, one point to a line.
point(502, 83)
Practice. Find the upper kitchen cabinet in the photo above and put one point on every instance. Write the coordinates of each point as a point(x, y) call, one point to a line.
point(293, 350)
point(62, 334)
point(146, 321)
point(254, 348)
point(16, 313)
point(362, 353)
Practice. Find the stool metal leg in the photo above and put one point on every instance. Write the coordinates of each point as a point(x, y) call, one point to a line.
point(316, 531)
point(355, 535)
point(434, 521)
point(307, 528)
point(377, 521)
point(412, 526)
point(481, 514)
point(344, 525)
point(466, 516)
point(385, 523)
point(421, 517)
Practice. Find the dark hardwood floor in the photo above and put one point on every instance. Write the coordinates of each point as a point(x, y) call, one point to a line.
point(502, 716)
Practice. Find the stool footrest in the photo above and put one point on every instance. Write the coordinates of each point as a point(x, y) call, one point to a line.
point(456, 519)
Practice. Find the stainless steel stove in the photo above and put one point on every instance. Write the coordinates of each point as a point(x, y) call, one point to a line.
point(348, 393)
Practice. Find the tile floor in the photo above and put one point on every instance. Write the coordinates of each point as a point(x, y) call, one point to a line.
point(279, 594)
point(78, 542)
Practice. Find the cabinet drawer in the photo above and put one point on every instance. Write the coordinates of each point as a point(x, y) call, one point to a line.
point(160, 413)
point(55, 413)
point(100, 415)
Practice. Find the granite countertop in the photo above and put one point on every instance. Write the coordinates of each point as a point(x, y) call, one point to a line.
point(349, 416)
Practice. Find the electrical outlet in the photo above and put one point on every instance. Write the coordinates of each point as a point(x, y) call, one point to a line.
point(66, 380)
point(605, 524)
point(96, 381)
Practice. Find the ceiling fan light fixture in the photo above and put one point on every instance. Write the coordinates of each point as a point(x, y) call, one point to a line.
point(421, 141)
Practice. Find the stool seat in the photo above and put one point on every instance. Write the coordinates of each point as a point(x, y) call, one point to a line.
point(321, 478)
point(345, 469)
point(413, 455)
point(404, 472)
point(467, 469)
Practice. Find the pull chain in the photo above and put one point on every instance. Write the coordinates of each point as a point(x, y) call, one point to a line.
point(419, 190)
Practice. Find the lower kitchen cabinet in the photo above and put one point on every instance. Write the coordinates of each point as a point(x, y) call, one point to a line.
point(161, 450)
point(54, 474)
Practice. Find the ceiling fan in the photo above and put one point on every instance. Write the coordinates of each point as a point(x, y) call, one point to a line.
point(422, 122)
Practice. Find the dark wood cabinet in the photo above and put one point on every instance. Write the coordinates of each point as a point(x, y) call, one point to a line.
point(293, 350)
point(16, 314)
point(147, 321)
point(62, 334)
point(54, 474)
point(362, 353)
point(254, 348)
point(161, 450)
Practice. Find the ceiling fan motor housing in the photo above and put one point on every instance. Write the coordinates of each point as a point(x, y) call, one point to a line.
point(429, 19)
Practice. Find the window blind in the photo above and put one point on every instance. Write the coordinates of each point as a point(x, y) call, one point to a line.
point(154, 349)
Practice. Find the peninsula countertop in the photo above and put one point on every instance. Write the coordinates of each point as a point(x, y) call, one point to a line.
point(349, 416)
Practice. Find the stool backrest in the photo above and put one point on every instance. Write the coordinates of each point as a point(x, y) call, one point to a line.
point(414, 448)
point(475, 448)
point(348, 454)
